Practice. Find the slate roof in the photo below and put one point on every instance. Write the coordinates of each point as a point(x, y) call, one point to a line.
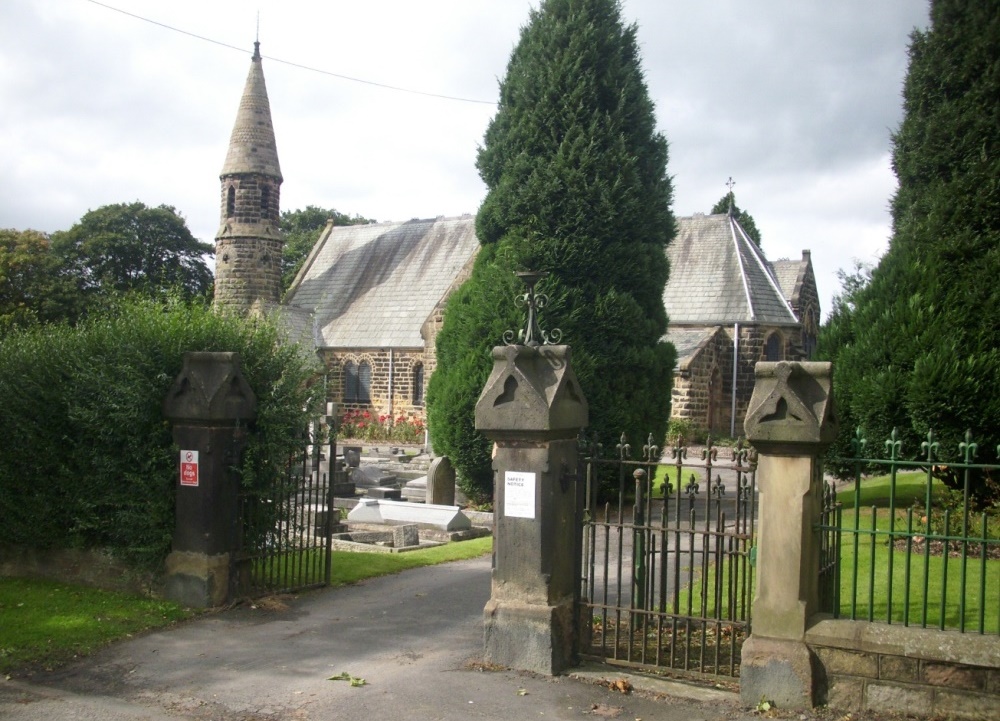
point(373, 286)
point(687, 341)
point(790, 275)
point(251, 146)
point(719, 277)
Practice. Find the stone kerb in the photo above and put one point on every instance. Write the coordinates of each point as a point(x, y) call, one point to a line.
point(791, 422)
point(210, 403)
point(532, 407)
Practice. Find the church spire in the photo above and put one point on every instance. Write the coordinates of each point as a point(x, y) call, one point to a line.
point(251, 146)
point(248, 244)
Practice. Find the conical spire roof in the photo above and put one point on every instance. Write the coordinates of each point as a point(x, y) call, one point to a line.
point(251, 146)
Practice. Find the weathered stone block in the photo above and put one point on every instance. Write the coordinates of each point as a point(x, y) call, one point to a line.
point(843, 693)
point(946, 674)
point(888, 696)
point(840, 662)
point(957, 704)
point(898, 668)
point(780, 671)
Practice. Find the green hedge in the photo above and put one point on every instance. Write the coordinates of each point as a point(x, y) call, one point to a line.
point(86, 457)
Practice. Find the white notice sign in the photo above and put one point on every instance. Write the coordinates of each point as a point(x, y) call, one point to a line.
point(519, 494)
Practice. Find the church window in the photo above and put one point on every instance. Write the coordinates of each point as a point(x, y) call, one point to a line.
point(231, 202)
point(265, 202)
point(350, 382)
point(364, 382)
point(773, 348)
point(418, 384)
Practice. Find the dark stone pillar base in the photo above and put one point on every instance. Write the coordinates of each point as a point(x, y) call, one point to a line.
point(196, 579)
point(529, 637)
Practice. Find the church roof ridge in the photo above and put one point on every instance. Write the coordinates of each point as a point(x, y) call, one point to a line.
point(252, 148)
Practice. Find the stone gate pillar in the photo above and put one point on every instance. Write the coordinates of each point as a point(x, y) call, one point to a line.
point(210, 404)
point(533, 409)
point(791, 423)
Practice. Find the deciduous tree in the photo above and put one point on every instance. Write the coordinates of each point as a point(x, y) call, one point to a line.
point(131, 247)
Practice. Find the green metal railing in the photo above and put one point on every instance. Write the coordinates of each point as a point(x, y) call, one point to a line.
point(918, 545)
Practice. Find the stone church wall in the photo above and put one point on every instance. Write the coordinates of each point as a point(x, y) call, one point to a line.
point(403, 398)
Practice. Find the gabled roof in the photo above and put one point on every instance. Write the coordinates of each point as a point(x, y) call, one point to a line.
point(374, 286)
point(718, 276)
point(791, 275)
point(252, 148)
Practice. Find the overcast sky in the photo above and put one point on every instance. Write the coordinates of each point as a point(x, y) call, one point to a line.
point(793, 99)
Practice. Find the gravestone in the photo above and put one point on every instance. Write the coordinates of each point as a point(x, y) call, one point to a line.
point(352, 456)
point(441, 482)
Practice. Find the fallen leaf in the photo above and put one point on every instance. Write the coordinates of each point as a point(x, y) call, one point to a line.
point(344, 676)
point(522, 692)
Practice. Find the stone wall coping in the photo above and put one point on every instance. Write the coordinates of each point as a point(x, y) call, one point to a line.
point(971, 649)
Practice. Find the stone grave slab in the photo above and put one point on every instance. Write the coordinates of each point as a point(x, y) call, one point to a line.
point(373, 510)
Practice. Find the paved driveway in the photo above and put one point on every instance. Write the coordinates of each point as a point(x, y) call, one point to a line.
point(415, 637)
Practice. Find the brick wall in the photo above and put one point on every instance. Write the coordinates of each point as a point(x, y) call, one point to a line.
point(872, 666)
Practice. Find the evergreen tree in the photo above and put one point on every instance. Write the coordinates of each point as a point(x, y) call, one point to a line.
point(727, 204)
point(919, 346)
point(577, 186)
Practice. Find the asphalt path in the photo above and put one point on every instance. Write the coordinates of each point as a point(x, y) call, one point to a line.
point(416, 638)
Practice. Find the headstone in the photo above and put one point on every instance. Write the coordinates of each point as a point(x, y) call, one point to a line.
point(352, 456)
point(441, 482)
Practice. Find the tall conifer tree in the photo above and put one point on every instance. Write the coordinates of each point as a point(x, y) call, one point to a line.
point(577, 186)
point(918, 347)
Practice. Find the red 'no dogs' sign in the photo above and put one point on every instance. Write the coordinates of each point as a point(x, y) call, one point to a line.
point(189, 468)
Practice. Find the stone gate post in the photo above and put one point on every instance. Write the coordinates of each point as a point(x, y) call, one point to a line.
point(791, 422)
point(210, 404)
point(533, 409)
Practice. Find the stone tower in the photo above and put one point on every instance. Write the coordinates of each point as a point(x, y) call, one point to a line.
point(248, 244)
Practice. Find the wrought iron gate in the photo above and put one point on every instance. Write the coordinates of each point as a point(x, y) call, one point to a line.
point(667, 567)
point(285, 528)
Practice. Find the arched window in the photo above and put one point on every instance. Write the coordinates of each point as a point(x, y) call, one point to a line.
point(773, 348)
point(350, 382)
point(418, 384)
point(231, 202)
point(364, 382)
point(265, 202)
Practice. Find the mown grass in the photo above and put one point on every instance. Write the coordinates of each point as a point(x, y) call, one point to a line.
point(46, 624)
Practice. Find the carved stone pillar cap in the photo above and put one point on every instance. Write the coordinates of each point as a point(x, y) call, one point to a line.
point(210, 387)
point(792, 404)
point(532, 391)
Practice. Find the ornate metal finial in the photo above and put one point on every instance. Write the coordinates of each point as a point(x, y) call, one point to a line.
point(532, 335)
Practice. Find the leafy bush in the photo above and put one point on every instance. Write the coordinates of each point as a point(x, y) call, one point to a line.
point(86, 457)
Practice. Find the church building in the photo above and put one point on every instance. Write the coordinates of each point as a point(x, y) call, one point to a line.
point(370, 298)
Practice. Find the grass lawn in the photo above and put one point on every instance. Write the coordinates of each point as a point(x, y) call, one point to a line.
point(46, 623)
point(49, 623)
